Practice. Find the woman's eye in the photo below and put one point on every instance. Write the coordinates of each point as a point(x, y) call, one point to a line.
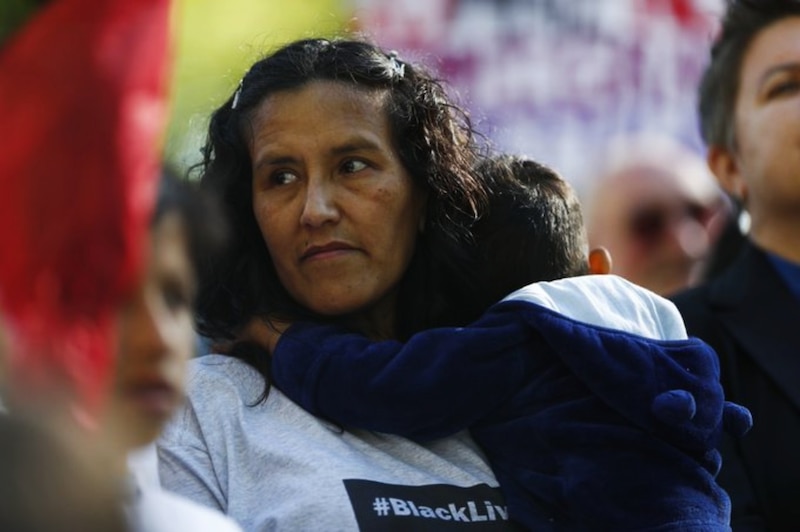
point(352, 166)
point(783, 88)
point(283, 178)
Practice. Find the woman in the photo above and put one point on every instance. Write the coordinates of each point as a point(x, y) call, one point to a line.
point(346, 173)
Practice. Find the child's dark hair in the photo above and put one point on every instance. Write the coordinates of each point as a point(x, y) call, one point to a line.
point(203, 221)
point(531, 231)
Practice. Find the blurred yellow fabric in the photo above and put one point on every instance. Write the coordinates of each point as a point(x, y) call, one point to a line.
point(216, 41)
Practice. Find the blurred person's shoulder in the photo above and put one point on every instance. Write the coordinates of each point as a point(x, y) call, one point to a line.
point(703, 307)
point(158, 510)
point(694, 301)
point(696, 309)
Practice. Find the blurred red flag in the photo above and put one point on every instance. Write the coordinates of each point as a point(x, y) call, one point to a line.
point(83, 94)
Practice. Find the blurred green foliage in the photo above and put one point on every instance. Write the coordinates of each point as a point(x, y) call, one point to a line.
point(13, 13)
point(215, 43)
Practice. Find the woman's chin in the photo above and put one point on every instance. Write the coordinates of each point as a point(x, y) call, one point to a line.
point(335, 304)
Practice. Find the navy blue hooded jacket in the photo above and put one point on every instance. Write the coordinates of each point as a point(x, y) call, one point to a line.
point(593, 407)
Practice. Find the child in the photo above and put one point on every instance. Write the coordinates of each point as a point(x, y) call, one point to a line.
point(156, 341)
point(56, 477)
point(594, 408)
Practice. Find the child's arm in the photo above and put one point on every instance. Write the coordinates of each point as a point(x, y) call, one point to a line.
point(439, 382)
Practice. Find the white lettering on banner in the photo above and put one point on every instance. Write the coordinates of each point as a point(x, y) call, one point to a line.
point(489, 510)
point(502, 510)
point(471, 513)
point(555, 79)
point(425, 511)
point(458, 514)
point(380, 506)
point(399, 507)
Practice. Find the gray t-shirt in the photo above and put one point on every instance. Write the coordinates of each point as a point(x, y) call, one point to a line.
point(273, 466)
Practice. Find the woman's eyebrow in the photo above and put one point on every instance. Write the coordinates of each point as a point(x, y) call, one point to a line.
point(348, 146)
point(357, 144)
point(274, 161)
point(776, 69)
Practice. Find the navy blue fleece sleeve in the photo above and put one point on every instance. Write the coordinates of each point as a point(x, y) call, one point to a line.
point(439, 382)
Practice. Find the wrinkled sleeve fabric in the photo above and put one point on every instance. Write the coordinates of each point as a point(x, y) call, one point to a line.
point(439, 382)
point(185, 460)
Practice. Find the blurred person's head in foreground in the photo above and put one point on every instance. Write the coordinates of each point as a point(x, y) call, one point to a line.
point(48, 483)
point(156, 326)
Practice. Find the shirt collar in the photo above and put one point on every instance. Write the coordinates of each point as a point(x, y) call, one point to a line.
point(788, 271)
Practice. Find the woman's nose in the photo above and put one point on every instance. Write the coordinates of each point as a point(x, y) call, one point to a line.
point(150, 330)
point(320, 204)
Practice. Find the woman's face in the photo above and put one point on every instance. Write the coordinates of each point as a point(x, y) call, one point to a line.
point(767, 165)
point(156, 338)
point(338, 211)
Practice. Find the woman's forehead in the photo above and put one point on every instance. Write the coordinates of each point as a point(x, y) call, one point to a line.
point(329, 95)
point(322, 111)
point(775, 48)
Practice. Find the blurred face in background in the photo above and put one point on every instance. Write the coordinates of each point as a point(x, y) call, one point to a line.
point(156, 338)
point(658, 222)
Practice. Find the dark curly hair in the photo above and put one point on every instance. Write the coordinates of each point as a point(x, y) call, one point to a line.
point(719, 87)
point(435, 143)
point(206, 229)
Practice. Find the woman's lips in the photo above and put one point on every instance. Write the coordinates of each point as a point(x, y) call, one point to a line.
point(326, 251)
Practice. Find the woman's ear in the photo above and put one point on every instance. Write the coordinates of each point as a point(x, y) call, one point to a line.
point(723, 164)
point(599, 261)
